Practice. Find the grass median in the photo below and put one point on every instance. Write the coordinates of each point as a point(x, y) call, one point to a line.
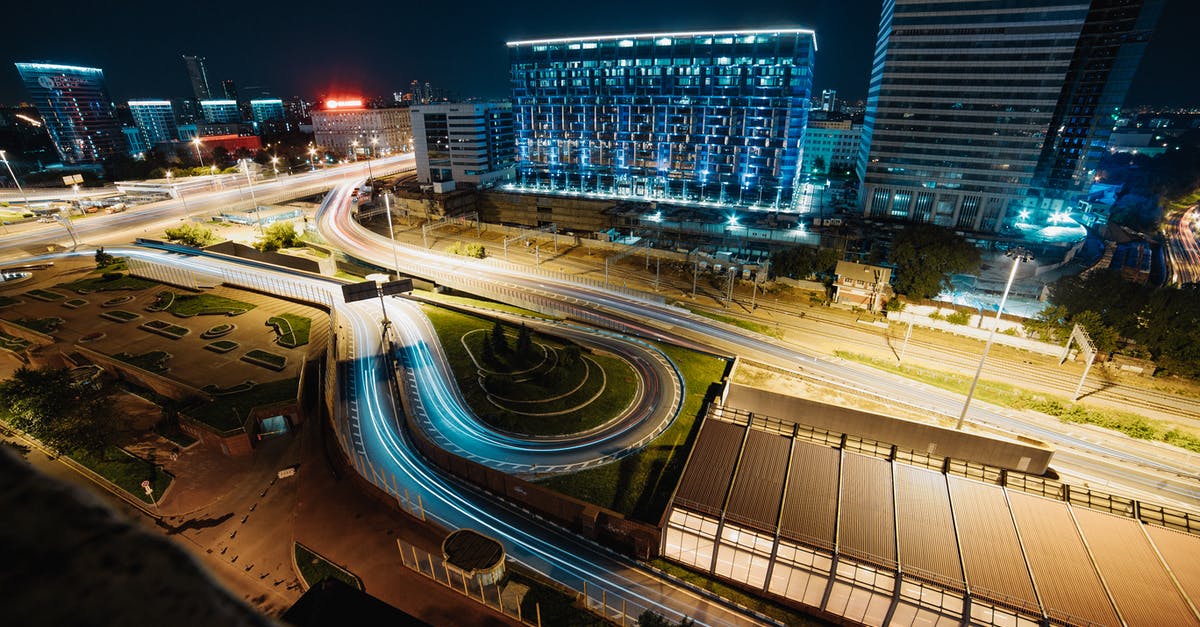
point(1007, 395)
point(639, 484)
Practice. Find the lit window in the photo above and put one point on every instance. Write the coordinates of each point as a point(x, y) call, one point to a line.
point(665, 41)
point(625, 43)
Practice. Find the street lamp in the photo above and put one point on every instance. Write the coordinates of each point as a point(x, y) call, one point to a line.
point(178, 192)
point(275, 166)
point(312, 159)
point(354, 149)
point(257, 214)
point(1018, 255)
point(196, 143)
point(8, 165)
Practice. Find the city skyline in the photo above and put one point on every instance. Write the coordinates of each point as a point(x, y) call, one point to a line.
point(380, 65)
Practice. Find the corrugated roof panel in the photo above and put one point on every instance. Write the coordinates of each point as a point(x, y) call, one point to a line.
point(1061, 568)
point(1139, 583)
point(925, 526)
point(710, 468)
point(810, 505)
point(990, 548)
point(867, 527)
point(758, 483)
point(1182, 554)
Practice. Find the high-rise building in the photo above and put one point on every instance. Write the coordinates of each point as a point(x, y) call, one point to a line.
point(349, 128)
point(712, 117)
point(230, 89)
point(982, 114)
point(134, 141)
point(155, 120)
point(220, 111)
point(829, 101)
point(76, 110)
point(464, 143)
point(831, 145)
point(266, 109)
point(198, 76)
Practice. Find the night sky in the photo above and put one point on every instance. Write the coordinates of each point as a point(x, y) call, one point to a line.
point(309, 48)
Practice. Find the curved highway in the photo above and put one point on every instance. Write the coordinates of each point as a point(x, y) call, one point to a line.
point(1137, 474)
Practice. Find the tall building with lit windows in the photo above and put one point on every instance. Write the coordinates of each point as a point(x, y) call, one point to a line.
point(700, 117)
point(991, 115)
point(76, 109)
point(220, 111)
point(155, 121)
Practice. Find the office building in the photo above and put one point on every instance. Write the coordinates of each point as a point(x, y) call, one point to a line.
point(348, 128)
point(76, 109)
point(709, 117)
point(155, 120)
point(987, 115)
point(220, 111)
point(830, 146)
point(198, 76)
point(230, 89)
point(463, 143)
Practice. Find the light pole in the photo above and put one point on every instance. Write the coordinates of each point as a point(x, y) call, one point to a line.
point(1017, 255)
point(196, 143)
point(374, 142)
point(312, 159)
point(354, 149)
point(275, 166)
point(246, 164)
point(391, 234)
point(8, 165)
point(179, 192)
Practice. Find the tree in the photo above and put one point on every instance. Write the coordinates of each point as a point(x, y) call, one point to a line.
point(802, 262)
point(650, 618)
point(103, 259)
point(191, 235)
point(488, 354)
point(926, 255)
point(1103, 336)
point(46, 403)
point(524, 343)
point(499, 341)
point(1050, 324)
point(278, 235)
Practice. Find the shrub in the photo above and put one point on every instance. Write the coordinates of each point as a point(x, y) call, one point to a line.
point(111, 276)
point(958, 317)
point(191, 235)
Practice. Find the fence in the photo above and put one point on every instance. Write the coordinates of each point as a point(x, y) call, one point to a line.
point(507, 598)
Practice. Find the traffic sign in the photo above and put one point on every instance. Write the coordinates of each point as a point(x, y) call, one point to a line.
point(360, 291)
point(146, 486)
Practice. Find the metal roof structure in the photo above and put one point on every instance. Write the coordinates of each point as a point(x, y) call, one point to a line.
point(842, 528)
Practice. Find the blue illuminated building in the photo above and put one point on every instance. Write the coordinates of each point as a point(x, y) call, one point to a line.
point(220, 111)
point(266, 109)
point(701, 117)
point(78, 113)
point(155, 120)
point(991, 116)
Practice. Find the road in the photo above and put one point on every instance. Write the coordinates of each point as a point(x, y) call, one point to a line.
point(1137, 472)
point(1183, 247)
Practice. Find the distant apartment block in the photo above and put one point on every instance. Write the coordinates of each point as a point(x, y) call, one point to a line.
point(831, 145)
point(220, 111)
point(155, 120)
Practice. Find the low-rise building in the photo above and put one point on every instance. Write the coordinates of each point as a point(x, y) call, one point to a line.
point(348, 128)
point(862, 285)
point(830, 145)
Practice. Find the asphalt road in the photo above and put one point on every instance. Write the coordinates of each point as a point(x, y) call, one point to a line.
point(1183, 247)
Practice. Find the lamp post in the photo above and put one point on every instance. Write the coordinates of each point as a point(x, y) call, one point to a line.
point(354, 149)
point(1017, 255)
point(196, 143)
point(179, 192)
point(275, 166)
point(370, 157)
point(246, 164)
point(391, 234)
point(8, 165)
point(312, 159)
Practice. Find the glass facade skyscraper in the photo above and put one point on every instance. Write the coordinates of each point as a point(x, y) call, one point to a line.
point(155, 120)
point(702, 117)
point(982, 113)
point(78, 113)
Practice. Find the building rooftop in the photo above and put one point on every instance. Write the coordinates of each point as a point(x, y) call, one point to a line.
point(744, 31)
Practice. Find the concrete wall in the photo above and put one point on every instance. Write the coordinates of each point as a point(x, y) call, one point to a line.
point(1029, 457)
point(243, 251)
point(164, 386)
point(576, 214)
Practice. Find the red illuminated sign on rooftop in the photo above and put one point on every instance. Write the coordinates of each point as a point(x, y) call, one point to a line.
point(355, 103)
